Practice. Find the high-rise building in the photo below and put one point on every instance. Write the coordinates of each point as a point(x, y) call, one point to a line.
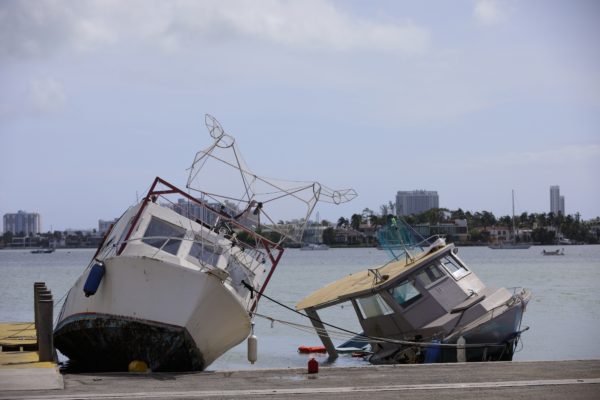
point(23, 223)
point(416, 201)
point(557, 202)
point(104, 226)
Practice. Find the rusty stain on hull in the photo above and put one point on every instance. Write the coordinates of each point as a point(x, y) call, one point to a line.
point(109, 343)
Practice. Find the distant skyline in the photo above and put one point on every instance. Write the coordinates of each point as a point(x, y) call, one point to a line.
point(101, 225)
point(470, 98)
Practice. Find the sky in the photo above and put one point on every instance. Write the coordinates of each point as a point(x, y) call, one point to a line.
point(471, 98)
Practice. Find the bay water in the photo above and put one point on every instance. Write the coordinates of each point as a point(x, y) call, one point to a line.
point(563, 315)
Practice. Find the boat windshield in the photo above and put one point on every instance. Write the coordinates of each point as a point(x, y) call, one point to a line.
point(430, 274)
point(163, 235)
point(373, 306)
point(205, 252)
point(405, 293)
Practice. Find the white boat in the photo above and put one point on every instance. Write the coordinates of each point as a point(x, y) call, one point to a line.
point(168, 286)
point(513, 244)
point(557, 252)
point(316, 236)
point(314, 246)
point(426, 305)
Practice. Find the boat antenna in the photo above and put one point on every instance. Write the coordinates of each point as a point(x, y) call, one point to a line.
point(239, 187)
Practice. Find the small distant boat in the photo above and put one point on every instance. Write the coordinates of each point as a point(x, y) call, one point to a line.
point(317, 238)
point(513, 244)
point(42, 251)
point(556, 252)
point(314, 246)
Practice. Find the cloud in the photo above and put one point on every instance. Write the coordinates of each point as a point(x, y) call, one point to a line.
point(315, 24)
point(566, 155)
point(47, 95)
point(41, 27)
point(31, 29)
point(488, 12)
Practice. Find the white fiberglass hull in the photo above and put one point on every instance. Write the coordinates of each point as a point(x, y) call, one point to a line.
point(170, 316)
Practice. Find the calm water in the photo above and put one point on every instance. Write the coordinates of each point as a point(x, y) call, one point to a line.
point(564, 314)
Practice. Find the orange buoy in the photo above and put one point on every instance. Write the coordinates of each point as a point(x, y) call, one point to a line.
point(311, 349)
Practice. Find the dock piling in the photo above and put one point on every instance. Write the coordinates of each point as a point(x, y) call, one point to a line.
point(37, 288)
point(43, 318)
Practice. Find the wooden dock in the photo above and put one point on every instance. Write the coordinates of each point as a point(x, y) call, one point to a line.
point(18, 336)
point(27, 356)
point(20, 365)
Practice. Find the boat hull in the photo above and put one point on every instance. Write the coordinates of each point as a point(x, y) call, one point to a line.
point(498, 328)
point(171, 317)
point(500, 331)
point(110, 343)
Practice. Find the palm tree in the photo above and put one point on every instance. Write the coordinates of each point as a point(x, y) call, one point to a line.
point(392, 207)
point(342, 222)
point(505, 221)
point(458, 214)
point(541, 220)
point(384, 210)
point(487, 219)
point(355, 221)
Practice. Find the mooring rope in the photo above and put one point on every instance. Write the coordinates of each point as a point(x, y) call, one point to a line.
point(386, 340)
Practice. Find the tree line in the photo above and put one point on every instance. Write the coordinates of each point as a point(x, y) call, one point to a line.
point(544, 228)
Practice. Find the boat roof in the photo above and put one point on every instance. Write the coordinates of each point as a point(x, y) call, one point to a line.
point(365, 282)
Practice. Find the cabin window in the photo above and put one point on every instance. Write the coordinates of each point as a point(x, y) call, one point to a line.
point(373, 306)
point(429, 274)
point(405, 293)
point(454, 267)
point(163, 235)
point(205, 252)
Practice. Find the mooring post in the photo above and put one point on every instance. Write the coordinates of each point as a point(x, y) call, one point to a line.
point(45, 339)
point(38, 288)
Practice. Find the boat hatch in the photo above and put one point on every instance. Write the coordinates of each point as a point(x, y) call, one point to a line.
point(163, 235)
point(454, 267)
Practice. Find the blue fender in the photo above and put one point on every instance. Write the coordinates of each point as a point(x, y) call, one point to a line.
point(94, 278)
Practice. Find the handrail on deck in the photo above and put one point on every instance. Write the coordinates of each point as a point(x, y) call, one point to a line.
point(152, 195)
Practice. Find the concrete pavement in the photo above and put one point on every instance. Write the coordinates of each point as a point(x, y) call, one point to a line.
point(498, 380)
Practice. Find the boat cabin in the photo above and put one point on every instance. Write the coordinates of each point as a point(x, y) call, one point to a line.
point(203, 243)
point(423, 297)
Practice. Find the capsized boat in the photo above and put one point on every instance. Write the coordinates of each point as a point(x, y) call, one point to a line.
point(425, 305)
point(168, 286)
